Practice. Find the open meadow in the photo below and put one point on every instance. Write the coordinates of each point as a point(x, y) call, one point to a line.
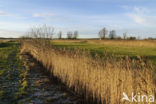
point(119, 48)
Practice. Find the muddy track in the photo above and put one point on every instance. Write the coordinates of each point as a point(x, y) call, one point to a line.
point(42, 89)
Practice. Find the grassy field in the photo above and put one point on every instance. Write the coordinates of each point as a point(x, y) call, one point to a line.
point(131, 48)
point(12, 83)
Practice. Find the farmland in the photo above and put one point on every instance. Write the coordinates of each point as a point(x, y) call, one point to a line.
point(131, 48)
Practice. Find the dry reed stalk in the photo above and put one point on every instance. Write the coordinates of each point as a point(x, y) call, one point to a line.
point(103, 80)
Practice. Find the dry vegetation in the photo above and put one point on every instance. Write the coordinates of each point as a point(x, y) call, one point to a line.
point(101, 80)
point(135, 43)
point(104, 80)
point(1, 41)
point(129, 43)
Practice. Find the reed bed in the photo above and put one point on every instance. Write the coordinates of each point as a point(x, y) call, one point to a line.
point(100, 80)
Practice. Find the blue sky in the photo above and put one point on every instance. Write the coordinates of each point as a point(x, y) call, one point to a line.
point(136, 17)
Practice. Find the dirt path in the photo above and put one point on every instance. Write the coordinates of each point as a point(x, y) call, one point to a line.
point(42, 90)
point(28, 84)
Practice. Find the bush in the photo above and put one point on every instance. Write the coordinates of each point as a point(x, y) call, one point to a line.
point(132, 38)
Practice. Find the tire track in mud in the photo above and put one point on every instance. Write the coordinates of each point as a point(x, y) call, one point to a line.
point(42, 89)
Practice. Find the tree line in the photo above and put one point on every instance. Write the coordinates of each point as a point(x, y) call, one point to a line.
point(112, 35)
point(70, 35)
point(47, 32)
point(103, 34)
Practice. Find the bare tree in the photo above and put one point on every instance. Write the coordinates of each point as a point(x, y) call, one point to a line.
point(41, 34)
point(69, 35)
point(75, 35)
point(124, 35)
point(41, 31)
point(102, 33)
point(112, 34)
point(59, 35)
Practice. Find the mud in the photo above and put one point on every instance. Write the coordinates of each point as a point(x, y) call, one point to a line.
point(42, 88)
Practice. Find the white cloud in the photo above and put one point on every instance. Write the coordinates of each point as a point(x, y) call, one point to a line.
point(138, 15)
point(14, 29)
point(46, 16)
point(3, 13)
point(142, 16)
point(9, 33)
point(14, 26)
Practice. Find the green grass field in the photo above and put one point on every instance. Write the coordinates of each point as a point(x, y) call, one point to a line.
point(117, 48)
point(11, 73)
point(5, 50)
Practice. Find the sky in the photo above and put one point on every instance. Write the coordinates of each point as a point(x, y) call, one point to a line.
point(135, 17)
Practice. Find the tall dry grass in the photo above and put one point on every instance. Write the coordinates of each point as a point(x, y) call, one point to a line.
point(98, 79)
point(127, 43)
point(5, 40)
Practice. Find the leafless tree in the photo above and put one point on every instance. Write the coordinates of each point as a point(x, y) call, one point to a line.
point(41, 34)
point(102, 33)
point(75, 35)
point(41, 31)
point(69, 35)
point(112, 34)
point(59, 35)
point(124, 35)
